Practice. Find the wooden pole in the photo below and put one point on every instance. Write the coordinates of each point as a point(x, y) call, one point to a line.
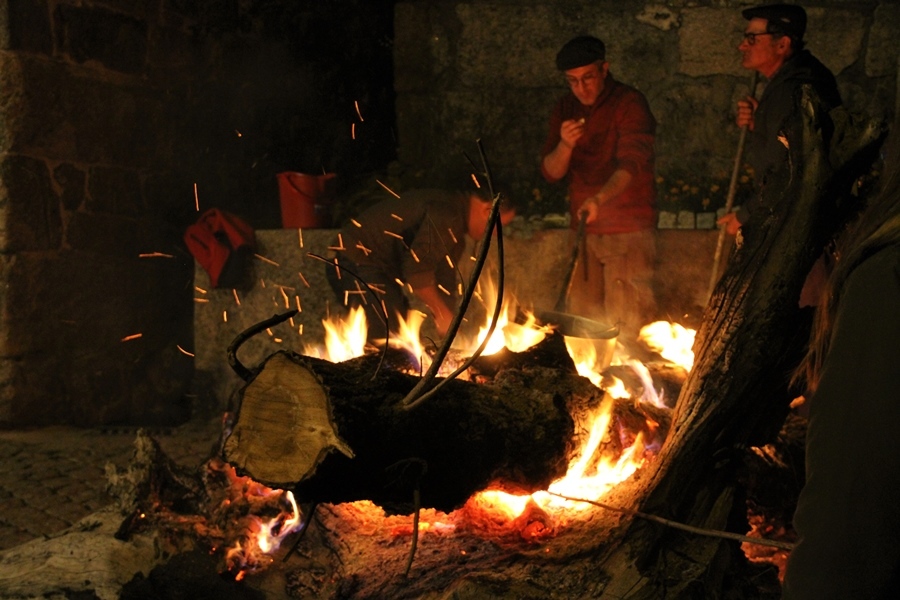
point(729, 199)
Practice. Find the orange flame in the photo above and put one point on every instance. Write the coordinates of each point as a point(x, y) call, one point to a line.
point(344, 338)
point(671, 340)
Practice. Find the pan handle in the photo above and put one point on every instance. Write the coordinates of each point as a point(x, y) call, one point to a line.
point(567, 281)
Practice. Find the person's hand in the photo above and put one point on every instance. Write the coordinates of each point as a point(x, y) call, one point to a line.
point(731, 223)
point(745, 110)
point(570, 131)
point(589, 210)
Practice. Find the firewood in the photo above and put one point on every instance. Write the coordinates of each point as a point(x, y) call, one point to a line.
point(334, 433)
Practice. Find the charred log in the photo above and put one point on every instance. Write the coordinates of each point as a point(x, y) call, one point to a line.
point(336, 433)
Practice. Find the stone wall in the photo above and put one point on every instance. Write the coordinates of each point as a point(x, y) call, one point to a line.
point(111, 113)
point(484, 69)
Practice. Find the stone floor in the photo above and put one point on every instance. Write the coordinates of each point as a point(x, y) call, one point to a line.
point(53, 477)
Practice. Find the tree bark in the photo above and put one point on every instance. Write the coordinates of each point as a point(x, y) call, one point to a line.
point(751, 338)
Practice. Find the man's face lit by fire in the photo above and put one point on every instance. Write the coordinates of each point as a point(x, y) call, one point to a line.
point(587, 82)
point(762, 51)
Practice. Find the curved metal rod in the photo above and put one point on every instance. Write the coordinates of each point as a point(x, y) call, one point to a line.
point(236, 366)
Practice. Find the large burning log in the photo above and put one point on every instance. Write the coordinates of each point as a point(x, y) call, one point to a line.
point(337, 432)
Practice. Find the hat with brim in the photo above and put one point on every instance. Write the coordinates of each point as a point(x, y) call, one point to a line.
point(580, 51)
point(784, 19)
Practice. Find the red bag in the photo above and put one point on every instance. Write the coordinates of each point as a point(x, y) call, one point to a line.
point(222, 243)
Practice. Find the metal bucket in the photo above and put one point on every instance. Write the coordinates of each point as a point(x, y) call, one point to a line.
point(306, 200)
point(580, 332)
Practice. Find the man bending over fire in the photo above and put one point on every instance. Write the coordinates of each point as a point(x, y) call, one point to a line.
point(412, 243)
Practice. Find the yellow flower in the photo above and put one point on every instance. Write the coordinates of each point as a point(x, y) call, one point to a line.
point(660, 179)
point(705, 203)
point(714, 188)
point(685, 187)
point(744, 179)
point(673, 191)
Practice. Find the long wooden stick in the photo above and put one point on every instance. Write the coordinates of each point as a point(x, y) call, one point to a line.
point(567, 280)
point(729, 199)
point(727, 535)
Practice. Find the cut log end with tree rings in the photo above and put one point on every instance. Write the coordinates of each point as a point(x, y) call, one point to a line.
point(285, 428)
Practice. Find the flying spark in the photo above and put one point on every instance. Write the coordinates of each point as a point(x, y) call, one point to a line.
point(395, 194)
point(264, 259)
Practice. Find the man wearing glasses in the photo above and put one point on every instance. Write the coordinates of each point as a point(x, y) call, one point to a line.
point(601, 139)
point(773, 46)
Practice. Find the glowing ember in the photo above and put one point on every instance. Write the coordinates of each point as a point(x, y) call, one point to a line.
point(255, 533)
point(672, 341)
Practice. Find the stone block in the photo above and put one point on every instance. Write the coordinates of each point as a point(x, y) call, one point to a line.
point(708, 40)
point(416, 46)
point(666, 220)
point(25, 25)
point(284, 276)
point(684, 265)
point(112, 39)
point(76, 115)
point(883, 44)
point(706, 220)
point(72, 181)
point(491, 48)
point(835, 36)
point(685, 219)
point(115, 191)
point(30, 217)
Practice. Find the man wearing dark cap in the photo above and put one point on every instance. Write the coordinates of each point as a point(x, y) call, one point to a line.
point(773, 46)
point(601, 140)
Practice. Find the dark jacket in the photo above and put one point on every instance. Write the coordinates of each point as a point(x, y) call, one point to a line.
point(848, 514)
point(766, 154)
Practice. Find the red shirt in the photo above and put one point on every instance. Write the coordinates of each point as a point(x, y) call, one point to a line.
point(618, 134)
